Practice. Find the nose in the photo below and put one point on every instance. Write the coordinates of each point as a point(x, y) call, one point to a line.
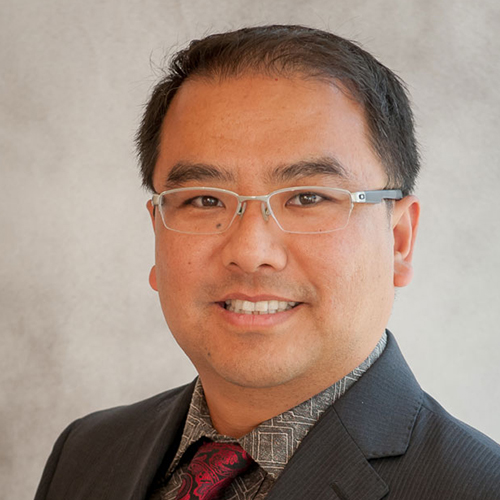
point(254, 242)
point(264, 208)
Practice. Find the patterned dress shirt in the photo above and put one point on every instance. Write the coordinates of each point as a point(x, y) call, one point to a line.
point(271, 444)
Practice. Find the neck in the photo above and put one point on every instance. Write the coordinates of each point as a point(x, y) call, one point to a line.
point(236, 410)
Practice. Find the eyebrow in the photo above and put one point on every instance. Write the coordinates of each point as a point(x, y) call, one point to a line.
point(326, 165)
point(183, 172)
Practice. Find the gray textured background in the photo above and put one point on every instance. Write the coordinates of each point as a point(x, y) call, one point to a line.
point(80, 328)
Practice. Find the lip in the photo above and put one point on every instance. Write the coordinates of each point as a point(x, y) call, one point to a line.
point(261, 321)
point(256, 298)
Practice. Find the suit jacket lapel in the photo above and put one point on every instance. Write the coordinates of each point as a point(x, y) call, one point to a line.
point(328, 465)
point(380, 410)
point(151, 449)
point(373, 419)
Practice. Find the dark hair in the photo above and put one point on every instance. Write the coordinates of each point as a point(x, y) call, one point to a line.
point(311, 53)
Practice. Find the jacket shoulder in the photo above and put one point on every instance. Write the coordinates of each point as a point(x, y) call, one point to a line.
point(134, 415)
point(113, 452)
point(446, 458)
point(454, 429)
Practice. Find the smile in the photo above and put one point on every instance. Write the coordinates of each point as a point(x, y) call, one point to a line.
point(261, 307)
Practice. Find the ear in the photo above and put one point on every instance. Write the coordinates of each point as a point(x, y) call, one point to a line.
point(152, 279)
point(405, 216)
point(152, 273)
point(151, 211)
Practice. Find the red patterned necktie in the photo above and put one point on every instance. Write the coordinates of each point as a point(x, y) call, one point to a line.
point(211, 470)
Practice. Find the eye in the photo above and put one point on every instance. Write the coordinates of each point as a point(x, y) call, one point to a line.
point(305, 199)
point(204, 202)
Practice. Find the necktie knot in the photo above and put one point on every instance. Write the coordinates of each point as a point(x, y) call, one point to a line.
point(212, 468)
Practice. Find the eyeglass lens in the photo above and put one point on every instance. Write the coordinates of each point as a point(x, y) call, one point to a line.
point(295, 210)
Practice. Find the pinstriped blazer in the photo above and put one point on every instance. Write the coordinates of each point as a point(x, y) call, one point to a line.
point(384, 439)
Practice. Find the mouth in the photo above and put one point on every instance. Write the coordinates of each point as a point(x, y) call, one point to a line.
point(261, 307)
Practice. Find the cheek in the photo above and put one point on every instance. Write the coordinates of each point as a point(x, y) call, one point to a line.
point(331, 259)
point(350, 263)
point(175, 264)
point(372, 273)
point(183, 264)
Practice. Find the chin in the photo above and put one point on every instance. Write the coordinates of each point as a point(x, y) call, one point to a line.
point(259, 374)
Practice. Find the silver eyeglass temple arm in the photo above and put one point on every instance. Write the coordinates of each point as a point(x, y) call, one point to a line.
point(376, 196)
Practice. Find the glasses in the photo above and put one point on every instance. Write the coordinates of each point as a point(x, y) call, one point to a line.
point(303, 209)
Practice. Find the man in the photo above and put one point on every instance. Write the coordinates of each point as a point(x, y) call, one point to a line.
point(282, 161)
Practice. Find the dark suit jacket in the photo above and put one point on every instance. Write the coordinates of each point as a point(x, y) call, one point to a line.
point(385, 438)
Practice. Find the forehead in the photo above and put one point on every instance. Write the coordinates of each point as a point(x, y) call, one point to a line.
point(252, 125)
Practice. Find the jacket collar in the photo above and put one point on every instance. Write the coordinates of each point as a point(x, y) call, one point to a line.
point(374, 419)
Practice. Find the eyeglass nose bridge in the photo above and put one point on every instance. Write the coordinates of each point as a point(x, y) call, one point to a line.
point(264, 205)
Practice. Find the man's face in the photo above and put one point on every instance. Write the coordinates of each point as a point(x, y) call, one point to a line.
point(249, 129)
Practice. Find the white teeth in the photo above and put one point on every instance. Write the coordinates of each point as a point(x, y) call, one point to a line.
point(261, 307)
point(248, 306)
